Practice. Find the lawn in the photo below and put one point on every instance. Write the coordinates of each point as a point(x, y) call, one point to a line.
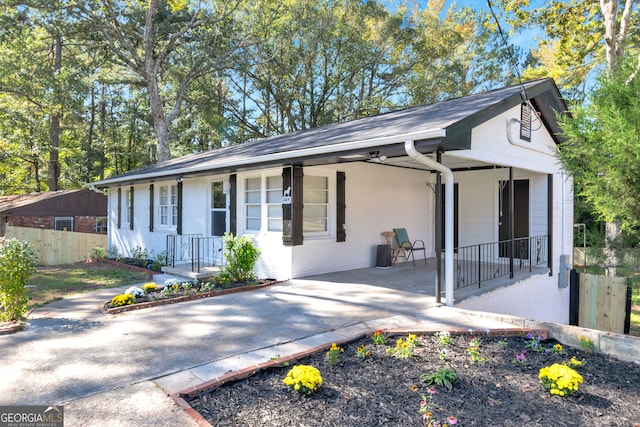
point(52, 283)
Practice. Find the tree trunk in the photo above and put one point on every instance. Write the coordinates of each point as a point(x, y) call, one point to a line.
point(612, 231)
point(54, 127)
point(159, 121)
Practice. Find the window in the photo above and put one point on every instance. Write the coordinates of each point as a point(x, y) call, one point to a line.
point(101, 224)
point(218, 209)
point(316, 204)
point(127, 207)
point(263, 199)
point(63, 223)
point(252, 199)
point(274, 203)
point(168, 205)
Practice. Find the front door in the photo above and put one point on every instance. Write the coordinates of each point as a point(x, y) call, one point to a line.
point(218, 218)
point(520, 217)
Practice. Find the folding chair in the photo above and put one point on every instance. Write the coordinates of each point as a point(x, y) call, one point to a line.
point(406, 248)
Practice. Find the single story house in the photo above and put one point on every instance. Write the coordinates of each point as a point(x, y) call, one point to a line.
point(475, 178)
point(82, 211)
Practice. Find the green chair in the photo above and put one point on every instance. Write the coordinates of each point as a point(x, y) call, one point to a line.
point(406, 248)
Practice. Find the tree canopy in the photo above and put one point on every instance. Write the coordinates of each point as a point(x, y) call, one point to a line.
point(94, 88)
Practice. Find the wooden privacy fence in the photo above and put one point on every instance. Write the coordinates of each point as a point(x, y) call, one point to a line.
point(58, 247)
point(602, 302)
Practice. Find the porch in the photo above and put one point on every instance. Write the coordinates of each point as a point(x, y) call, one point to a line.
point(421, 279)
point(403, 277)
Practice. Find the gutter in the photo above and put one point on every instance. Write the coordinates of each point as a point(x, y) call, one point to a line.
point(410, 148)
point(282, 156)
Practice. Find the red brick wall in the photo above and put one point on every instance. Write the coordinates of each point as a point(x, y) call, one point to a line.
point(32, 221)
point(84, 224)
point(81, 224)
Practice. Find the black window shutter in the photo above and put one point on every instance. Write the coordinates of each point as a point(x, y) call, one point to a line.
point(286, 207)
point(119, 207)
point(292, 205)
point(151, 207)
point(131, 209)
point(233, 208)
point(179, 225)
point(297, 191)
point(341, 207)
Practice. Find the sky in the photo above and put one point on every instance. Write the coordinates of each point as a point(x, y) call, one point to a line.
point(525, 40)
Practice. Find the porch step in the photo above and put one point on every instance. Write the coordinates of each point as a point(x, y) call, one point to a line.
point(183, 272)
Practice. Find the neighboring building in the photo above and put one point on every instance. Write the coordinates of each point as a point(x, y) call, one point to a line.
point(70, 210)
point(318, 200)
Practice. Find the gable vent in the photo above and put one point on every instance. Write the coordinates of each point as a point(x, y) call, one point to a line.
point(525, 121)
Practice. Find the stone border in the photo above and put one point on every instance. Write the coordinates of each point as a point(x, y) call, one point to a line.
point(619, 346)
point(180, 397)
point(166, 301)
point(7, 328)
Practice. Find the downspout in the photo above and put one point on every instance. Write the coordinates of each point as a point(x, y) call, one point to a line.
point(410, 148)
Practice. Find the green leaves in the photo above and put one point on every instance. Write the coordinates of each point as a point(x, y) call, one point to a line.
point(241, 256)
point(602, 151)
point(17, 264)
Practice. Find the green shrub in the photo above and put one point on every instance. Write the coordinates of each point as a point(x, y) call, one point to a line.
point(98, 253)
point(17, 263)
point(241, 255)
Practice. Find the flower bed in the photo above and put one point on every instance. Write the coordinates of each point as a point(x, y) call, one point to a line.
point(172, 292)
point(442, 380)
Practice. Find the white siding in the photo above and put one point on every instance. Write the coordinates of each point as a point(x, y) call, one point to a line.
point(490, 144)
point(378, 198)
point(535, 298)
point(479, 204)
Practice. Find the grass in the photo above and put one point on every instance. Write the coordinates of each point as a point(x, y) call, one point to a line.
point(53, 283)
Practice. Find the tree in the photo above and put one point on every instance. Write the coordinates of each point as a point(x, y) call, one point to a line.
point(36, 87)
point(455, 55)
point(152, 39)
point(602, 151)
point(580, 37)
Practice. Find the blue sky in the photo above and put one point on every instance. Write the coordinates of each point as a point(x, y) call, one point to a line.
point(525, 40)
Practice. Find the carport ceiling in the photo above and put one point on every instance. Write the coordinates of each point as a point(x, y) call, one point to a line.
point(453, 163)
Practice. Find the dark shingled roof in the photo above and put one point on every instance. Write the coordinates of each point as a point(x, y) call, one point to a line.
point(455, 116)
point(82, 202)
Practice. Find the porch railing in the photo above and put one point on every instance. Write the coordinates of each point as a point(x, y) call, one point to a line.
point(179, 248)
point(194, 249)
point(478, 263)
point(205, 252)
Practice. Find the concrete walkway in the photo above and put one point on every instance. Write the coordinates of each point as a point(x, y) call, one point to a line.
point(119, 370)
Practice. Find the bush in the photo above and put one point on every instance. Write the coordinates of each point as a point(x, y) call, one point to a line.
point(241, 255)
point(17, 263)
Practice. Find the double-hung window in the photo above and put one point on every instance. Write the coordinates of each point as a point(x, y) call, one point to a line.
point(263, 203)
point(127, 207)
point(168, 204)
point(316, 204)
point(253, 204)
point(274, 203)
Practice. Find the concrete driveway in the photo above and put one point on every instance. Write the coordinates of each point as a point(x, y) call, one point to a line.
point(119, 369)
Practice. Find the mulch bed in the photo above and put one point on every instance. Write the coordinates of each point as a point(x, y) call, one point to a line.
point(386, 390)
point(146, 302)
